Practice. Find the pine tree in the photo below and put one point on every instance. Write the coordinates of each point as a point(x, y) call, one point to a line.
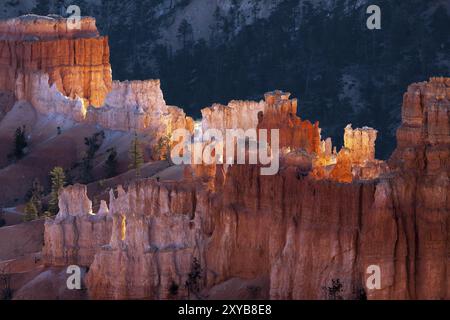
point(31, 212)
point(111, 163)
point(20, 143)
point(2, 219)
point(35, 196)
point(185, 33)
point(136, 155)
point(58, 181)
point(93, 144)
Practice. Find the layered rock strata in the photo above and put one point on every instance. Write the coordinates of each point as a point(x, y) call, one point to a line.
point(301, 232)
point(76, 60)
point(64, 70)
point(76, 234)
point(139, 106)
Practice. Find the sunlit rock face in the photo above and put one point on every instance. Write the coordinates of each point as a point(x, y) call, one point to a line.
point(155, 236)
point(281, 114)
point(298, 231)
point(77, 61)
point(236, 115)
point(414, 205)
point(139, 106)
point(356, 160)
point(61, 70)
point(360, 143)
point(76, 234)
point(35, 88)
point(423, 137)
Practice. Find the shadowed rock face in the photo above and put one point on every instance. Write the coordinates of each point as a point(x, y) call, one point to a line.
point(300, 232)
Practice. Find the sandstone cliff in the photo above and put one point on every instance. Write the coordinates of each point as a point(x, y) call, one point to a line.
point(139, 106)
point(300, 232)
point(66, 71)
point(76, 234)
point(77, 61)
point(236, 115)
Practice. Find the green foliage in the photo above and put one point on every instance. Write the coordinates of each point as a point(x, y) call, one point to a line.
point(110, 165)
point(57, 176)
point(31, 212)
point(20, 143)
point(136, 156)
point(185, 33)
point(161, 150)
point(93, 144)
point(2, 219)
point(35, 195)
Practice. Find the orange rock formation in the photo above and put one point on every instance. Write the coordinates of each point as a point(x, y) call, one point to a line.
point(298, 232)
point(77, 61)
point(298, 229)
point(281, 113)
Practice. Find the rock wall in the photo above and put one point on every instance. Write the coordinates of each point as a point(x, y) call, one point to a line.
point(155, 236)
point(294, 133)
point(34, 87)
point(360, 143)
point(67, 71)
point(76, 234)
point(236, 115)
point(130, 106)
point(77, 61)
point(139, 106)
point(299, 231)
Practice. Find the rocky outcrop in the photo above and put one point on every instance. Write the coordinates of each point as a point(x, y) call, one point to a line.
point(62, 70)
point(236, 115)
point(34, 87)
point(300, 232)
point(281, 114)
point(154, 238)
point(139, 106)
point(77, 61)
point(360, 143)
point(76, 234)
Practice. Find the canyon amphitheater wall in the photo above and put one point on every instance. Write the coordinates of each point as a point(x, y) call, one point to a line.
point(66, 71)
point(297, 229)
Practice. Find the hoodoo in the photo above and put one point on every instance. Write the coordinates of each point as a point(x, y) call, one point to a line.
point(327, 214)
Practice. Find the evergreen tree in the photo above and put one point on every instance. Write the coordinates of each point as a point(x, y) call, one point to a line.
point(185, 33)
point(93, 144)
point(31, 212)
point(58, 181)
point(20, 143)
point(111, 163)
point(136, 155)
point(2, 219)
point(35, 196)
